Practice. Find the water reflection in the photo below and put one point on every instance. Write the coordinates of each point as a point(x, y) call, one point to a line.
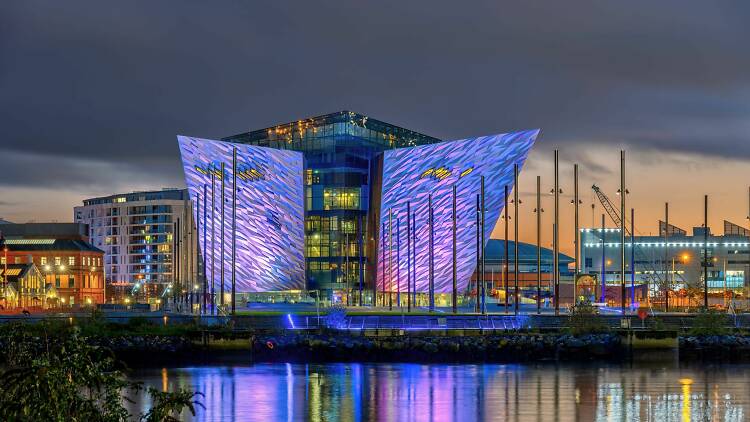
point(410, 392)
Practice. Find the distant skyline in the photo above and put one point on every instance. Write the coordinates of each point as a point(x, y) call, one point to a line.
point(94, 94)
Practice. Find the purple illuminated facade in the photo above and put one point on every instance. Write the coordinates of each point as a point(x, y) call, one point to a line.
point(314, 197)
point(270, 213)
point(412, 174)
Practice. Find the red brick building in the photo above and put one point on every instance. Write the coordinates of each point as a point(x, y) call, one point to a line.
point(68, 263)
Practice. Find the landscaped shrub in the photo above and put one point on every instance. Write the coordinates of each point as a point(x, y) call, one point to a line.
point(709, 323)
point(584, 319)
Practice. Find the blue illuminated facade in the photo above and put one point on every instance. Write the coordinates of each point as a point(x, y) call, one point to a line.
point(347, 169)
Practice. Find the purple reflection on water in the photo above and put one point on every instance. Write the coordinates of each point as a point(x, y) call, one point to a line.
point(410, 392)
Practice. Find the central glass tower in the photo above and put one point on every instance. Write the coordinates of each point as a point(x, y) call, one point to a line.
point(341, 153)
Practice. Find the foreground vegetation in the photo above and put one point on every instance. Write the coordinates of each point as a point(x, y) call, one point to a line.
point(53, 374)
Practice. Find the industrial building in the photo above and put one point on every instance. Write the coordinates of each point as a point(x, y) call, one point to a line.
point(674, 261)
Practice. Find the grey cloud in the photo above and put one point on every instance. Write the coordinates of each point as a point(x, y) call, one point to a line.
point(93, 85)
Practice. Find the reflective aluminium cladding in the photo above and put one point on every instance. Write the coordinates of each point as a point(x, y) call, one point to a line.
point(270, 214)
point(410, 175)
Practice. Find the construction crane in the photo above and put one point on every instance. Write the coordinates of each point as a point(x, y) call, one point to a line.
point(615, 217)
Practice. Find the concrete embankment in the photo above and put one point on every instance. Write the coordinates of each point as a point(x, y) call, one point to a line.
point(387, 346)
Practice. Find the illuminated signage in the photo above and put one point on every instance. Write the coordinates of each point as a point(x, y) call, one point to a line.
point(440, 173)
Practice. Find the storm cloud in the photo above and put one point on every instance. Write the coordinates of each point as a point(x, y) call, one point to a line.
point(88, 86)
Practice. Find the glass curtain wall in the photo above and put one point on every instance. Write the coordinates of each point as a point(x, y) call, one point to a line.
point(339, 149)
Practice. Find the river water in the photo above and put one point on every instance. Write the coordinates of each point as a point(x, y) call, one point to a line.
point(665, 391)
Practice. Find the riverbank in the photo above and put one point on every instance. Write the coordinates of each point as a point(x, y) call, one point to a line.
point(142, 344)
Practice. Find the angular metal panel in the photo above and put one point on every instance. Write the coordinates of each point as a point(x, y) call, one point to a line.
point(411, 174)
point(270, 212)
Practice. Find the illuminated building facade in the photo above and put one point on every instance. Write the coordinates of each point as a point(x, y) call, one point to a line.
point(676, 260)
point(313, 196)
point(135, 232)
point(72, 269)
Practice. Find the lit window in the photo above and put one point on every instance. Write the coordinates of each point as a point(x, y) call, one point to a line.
point(58, 260)
point(43, 260)
point(71, 261)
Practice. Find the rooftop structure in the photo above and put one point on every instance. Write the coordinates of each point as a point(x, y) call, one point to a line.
point(77, 231)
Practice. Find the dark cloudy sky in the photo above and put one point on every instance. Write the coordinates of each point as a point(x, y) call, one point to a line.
point(92, 93)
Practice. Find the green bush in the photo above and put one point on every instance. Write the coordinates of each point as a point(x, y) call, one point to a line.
point(57, 376)
point(709, 323)
point(584, 319)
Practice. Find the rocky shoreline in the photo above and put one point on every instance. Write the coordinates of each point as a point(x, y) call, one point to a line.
point(719, 348)
point(487, 348)
point(344, 347)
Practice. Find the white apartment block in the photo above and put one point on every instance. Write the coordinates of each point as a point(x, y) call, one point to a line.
point(135, 231)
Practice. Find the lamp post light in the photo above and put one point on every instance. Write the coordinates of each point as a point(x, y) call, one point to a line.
point(484, 284)
point(576, 202)
point(538, 210)
point(234, 227)
point(516, 203)
point(556, 237)
point(603, 295)
point(221, 246)
point(623, 292)
point(213, 240)
point(705, 252)
point(408, 256)
point(454, 294)
point(506, 218)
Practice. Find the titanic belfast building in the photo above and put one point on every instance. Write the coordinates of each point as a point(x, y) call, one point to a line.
point(346, 205)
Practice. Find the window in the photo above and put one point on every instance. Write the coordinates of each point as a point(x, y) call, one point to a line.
point(71, 261)
point(58, 260)
point(2, 260)
point(341, 198)
point(71, 282)
point(43, 260)
point(57, 280)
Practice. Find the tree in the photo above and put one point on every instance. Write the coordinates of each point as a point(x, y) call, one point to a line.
point(63, 378)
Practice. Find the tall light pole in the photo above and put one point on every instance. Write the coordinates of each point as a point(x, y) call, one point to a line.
point(556, 232)
point(667, 284)
point(515, 238)
point(484, 286)
point(432, 253)
point(382, 259)
point(506, 260)
point(476, 302)
point(203, 256)
point(632, 258)
point(623, 290)
point(408, 256)
point(539, 211)
point(398, 262)
point(576, 202)
point(414, 255)
point(213, 240)
point(705, 252)
point(234, 226)
point(454, 295)
point(174, 263)
point(603, 297)
point(390, 259)
point(223, 228)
